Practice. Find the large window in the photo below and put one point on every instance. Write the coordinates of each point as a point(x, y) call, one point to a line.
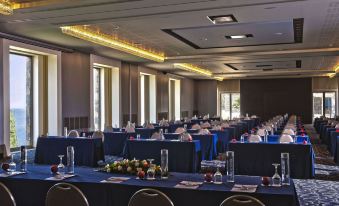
point(20, 100)
point(230, 105)
point(147, 98)
point(97, 98)
point(174, 99)
point(324, 104)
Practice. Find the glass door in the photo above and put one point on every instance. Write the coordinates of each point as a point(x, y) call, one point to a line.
point(317, 104)
point(324, 104)
point(230, 105)
point(329, 106)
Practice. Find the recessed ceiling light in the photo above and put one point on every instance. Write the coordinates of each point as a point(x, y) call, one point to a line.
point(240, 36)
point(278, 33)
point(222, 19)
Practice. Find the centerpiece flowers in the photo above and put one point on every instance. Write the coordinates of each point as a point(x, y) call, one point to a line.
point(132, 167)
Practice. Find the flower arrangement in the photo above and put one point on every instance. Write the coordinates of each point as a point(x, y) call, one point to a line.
point(130, 167)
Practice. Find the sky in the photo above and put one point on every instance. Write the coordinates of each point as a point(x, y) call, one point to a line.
point(18, 81)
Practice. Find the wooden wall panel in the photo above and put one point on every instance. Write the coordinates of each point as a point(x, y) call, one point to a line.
point(187, 97)
point(206, 97)
point(269, 97)
point(162, 95)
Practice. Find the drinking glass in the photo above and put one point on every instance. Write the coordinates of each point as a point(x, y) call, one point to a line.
point(185, 126)
point(138, 136)
point(230, 166)
point(242, 139)
point(65, 132)
point(166, 131)
point(164, 164)
point(23, 159)
point(70, 160)
point(285, 168)
point(12, 165)
point(276, 180)
point(61, 166)
point(151, 170)
point(218, 176)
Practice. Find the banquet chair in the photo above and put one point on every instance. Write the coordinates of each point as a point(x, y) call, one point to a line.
point(73, 133)
point(285, 138)
point(241, 200)
point(150, 197)
point(254, 138)
point(6, 197)
point(180, 130)
point(196, 126)
point(65, 194)
point(261, 132)
point(288, 131)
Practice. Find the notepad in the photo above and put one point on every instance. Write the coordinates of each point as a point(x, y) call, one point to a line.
point(59, 177)
point(244, 188)
point(115, 180)
point(188, 185)
point(12, 174)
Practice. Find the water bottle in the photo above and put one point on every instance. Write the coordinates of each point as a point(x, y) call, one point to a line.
point(161, 133)
point(23, 159)
point(265, 136)
point(65, 131)
point(230, 166)
point(164, 164)
point(242, 139)
point(138, 136)
point(285, 168)
point(70, 160)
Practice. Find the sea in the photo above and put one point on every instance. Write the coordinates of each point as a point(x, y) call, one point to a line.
point(20, 125)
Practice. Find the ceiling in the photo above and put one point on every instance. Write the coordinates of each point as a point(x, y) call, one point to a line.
point(288, 38)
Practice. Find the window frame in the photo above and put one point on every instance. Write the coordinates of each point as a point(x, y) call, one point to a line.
point(230, 99)
point(323, 103)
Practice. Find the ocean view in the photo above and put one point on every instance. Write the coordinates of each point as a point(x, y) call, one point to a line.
point(20, 124)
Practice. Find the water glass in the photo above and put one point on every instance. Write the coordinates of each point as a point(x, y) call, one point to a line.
point(218, 176)
point(61, 166)
point(242, 139)
point(164, 164)
point(230, 166)
point(276, 179)
point(12, 165)
point(138, 136)
point(65, 132)
point(285, 168)
point(23, 159)
point(70, 160)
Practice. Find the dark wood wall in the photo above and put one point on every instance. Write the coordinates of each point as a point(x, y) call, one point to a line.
point(269, 97)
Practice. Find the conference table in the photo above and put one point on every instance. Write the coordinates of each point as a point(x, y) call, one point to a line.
point(182, 156)
point(336, 153)
point(87, 151)
point(208, 143)
point(31, 188)
point(114, 142)
point(257, 158)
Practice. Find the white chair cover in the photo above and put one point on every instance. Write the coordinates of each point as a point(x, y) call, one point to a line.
point(98, 134)
point(157, 136)
point(225, 125)
point(205, 125)
point(288, 131)
point(180, 130)
point(196, 126)
point(73, 133)
point(261, 132)
point(285, 138)
point(130, 128)
point(254, 138)
point(217, 127)
point(185, 137)
point(337, 126)
point(204, 131)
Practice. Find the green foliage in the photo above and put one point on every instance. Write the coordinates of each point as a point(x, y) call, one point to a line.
point(12, 133)
point(236, 103)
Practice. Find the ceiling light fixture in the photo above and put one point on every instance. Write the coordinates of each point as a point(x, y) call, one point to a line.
point(222, 19)
point(240, 36)
point(193, 68)
point(103, 39)
point(6, 7)
point(219, 78)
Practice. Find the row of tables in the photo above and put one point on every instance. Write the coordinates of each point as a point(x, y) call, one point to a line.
point(31, 188)
point(329, 135)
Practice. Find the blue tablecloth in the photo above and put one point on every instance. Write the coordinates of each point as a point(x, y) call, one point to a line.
point(145, 133)
point(231, 132)
point(115, 142)
point(250, 123)
point(182, 156)
point(223, 140)
point(332, 146)
point(30, 189)
point(257, 158)
point(336, 153)
point(87, 152)
point(208, 144)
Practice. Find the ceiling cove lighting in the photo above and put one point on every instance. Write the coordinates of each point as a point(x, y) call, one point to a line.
point(222, 19)
point(193, 68)
point(336, 70)
point(88, 34)
point(219, 78)
point(241, 36)
point(6, 7)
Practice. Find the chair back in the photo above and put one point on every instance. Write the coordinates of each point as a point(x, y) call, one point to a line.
point(254, 138)
point(261, 132)
point(73, 133)
point(285, 138)
point(98, 134)
point(242, 200)
point(150, 197)
point(196, 126)
point(180, 130)
point(65, 194)
point(288, 131)
point(6, 197)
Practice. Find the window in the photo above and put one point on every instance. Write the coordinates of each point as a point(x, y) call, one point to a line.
point(20, 82)
point(97, 99)
point(230, 105)
point(147, 98)
point(324, 104)
point(174, 99)
point(105, 108)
